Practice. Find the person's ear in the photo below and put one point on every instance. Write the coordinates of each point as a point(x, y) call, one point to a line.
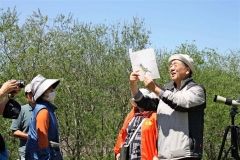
point(188, 71)
point(30, 96)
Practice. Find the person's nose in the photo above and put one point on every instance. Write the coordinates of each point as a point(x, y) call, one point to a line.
point(171, 68)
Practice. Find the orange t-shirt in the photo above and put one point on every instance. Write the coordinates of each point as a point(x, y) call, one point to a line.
point(42, 126)
point(149, 135)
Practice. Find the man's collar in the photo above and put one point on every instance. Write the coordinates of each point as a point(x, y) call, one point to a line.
point(185, 81)
point(171, 85)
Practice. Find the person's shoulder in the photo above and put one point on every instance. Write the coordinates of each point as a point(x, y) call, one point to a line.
point(195, 84)
point(42, 114)
point(26, 107)
point(196, 87)
point(37, 108)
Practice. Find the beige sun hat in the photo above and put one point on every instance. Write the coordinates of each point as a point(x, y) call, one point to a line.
point(40, 84)
point(184, 58)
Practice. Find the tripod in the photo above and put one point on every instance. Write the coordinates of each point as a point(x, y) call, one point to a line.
point(234, 137)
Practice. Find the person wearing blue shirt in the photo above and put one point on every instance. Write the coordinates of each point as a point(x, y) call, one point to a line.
point(20, 125)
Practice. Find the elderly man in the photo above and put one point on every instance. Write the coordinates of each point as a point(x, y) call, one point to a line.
point(180, 109)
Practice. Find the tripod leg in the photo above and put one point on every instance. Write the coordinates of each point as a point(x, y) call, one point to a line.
point(223, 142)
point(226, 153)
point(234, 142)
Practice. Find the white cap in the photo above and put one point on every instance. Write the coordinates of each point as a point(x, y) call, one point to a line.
point(27, 88)
point(184, 58)
point(147, 93)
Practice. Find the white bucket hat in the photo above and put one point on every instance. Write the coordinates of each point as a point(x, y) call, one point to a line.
point(144, 91)
point(184, 58)
point(147, 93)
point(40, 84)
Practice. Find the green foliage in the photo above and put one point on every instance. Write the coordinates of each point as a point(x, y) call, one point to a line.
point(93, 64)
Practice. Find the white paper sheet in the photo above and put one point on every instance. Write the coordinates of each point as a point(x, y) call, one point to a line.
point(145, 62)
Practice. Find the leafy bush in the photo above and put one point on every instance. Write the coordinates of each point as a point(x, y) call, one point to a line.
point(93, 64)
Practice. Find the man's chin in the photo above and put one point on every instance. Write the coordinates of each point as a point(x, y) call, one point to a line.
point(173, 78)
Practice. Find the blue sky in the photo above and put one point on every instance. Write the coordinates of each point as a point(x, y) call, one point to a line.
point(210, 23)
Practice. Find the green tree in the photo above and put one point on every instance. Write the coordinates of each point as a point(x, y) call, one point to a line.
point(93, 64)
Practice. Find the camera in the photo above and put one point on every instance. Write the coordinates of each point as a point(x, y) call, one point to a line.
point(21, 83)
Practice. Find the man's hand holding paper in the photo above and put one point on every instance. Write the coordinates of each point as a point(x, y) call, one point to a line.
point(144, 61)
